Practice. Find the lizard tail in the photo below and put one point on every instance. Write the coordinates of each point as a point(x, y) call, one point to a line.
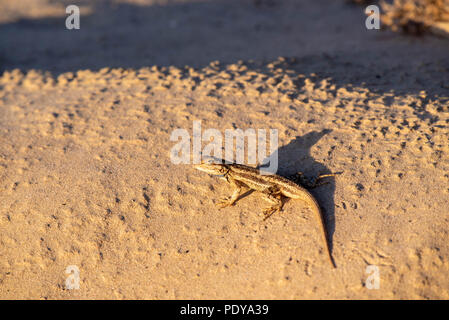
point(325, 234)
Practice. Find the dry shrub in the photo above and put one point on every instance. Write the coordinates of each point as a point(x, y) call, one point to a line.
point(414, 16)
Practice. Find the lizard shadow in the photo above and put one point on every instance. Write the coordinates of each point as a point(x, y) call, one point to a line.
point(295, 157)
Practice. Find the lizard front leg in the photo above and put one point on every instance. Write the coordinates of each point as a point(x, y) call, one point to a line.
point(237, 191)
point(275, 198)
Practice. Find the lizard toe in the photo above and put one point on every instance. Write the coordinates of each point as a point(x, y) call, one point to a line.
point(223, 203)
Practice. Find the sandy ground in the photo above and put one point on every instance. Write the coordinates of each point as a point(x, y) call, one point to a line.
point(85, 171)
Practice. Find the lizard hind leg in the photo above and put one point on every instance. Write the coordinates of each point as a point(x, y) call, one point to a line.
point(316, 182)
point(299, 178)
point(312, 183)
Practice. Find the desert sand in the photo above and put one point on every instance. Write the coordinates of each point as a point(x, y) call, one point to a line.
point(86, 178)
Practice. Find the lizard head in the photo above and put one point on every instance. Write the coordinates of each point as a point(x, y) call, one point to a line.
point(213, 166)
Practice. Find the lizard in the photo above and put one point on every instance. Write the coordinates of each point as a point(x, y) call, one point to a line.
point(273, 188)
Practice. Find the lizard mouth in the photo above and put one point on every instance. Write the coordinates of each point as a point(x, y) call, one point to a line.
point(207, 169)
point(210, 169)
